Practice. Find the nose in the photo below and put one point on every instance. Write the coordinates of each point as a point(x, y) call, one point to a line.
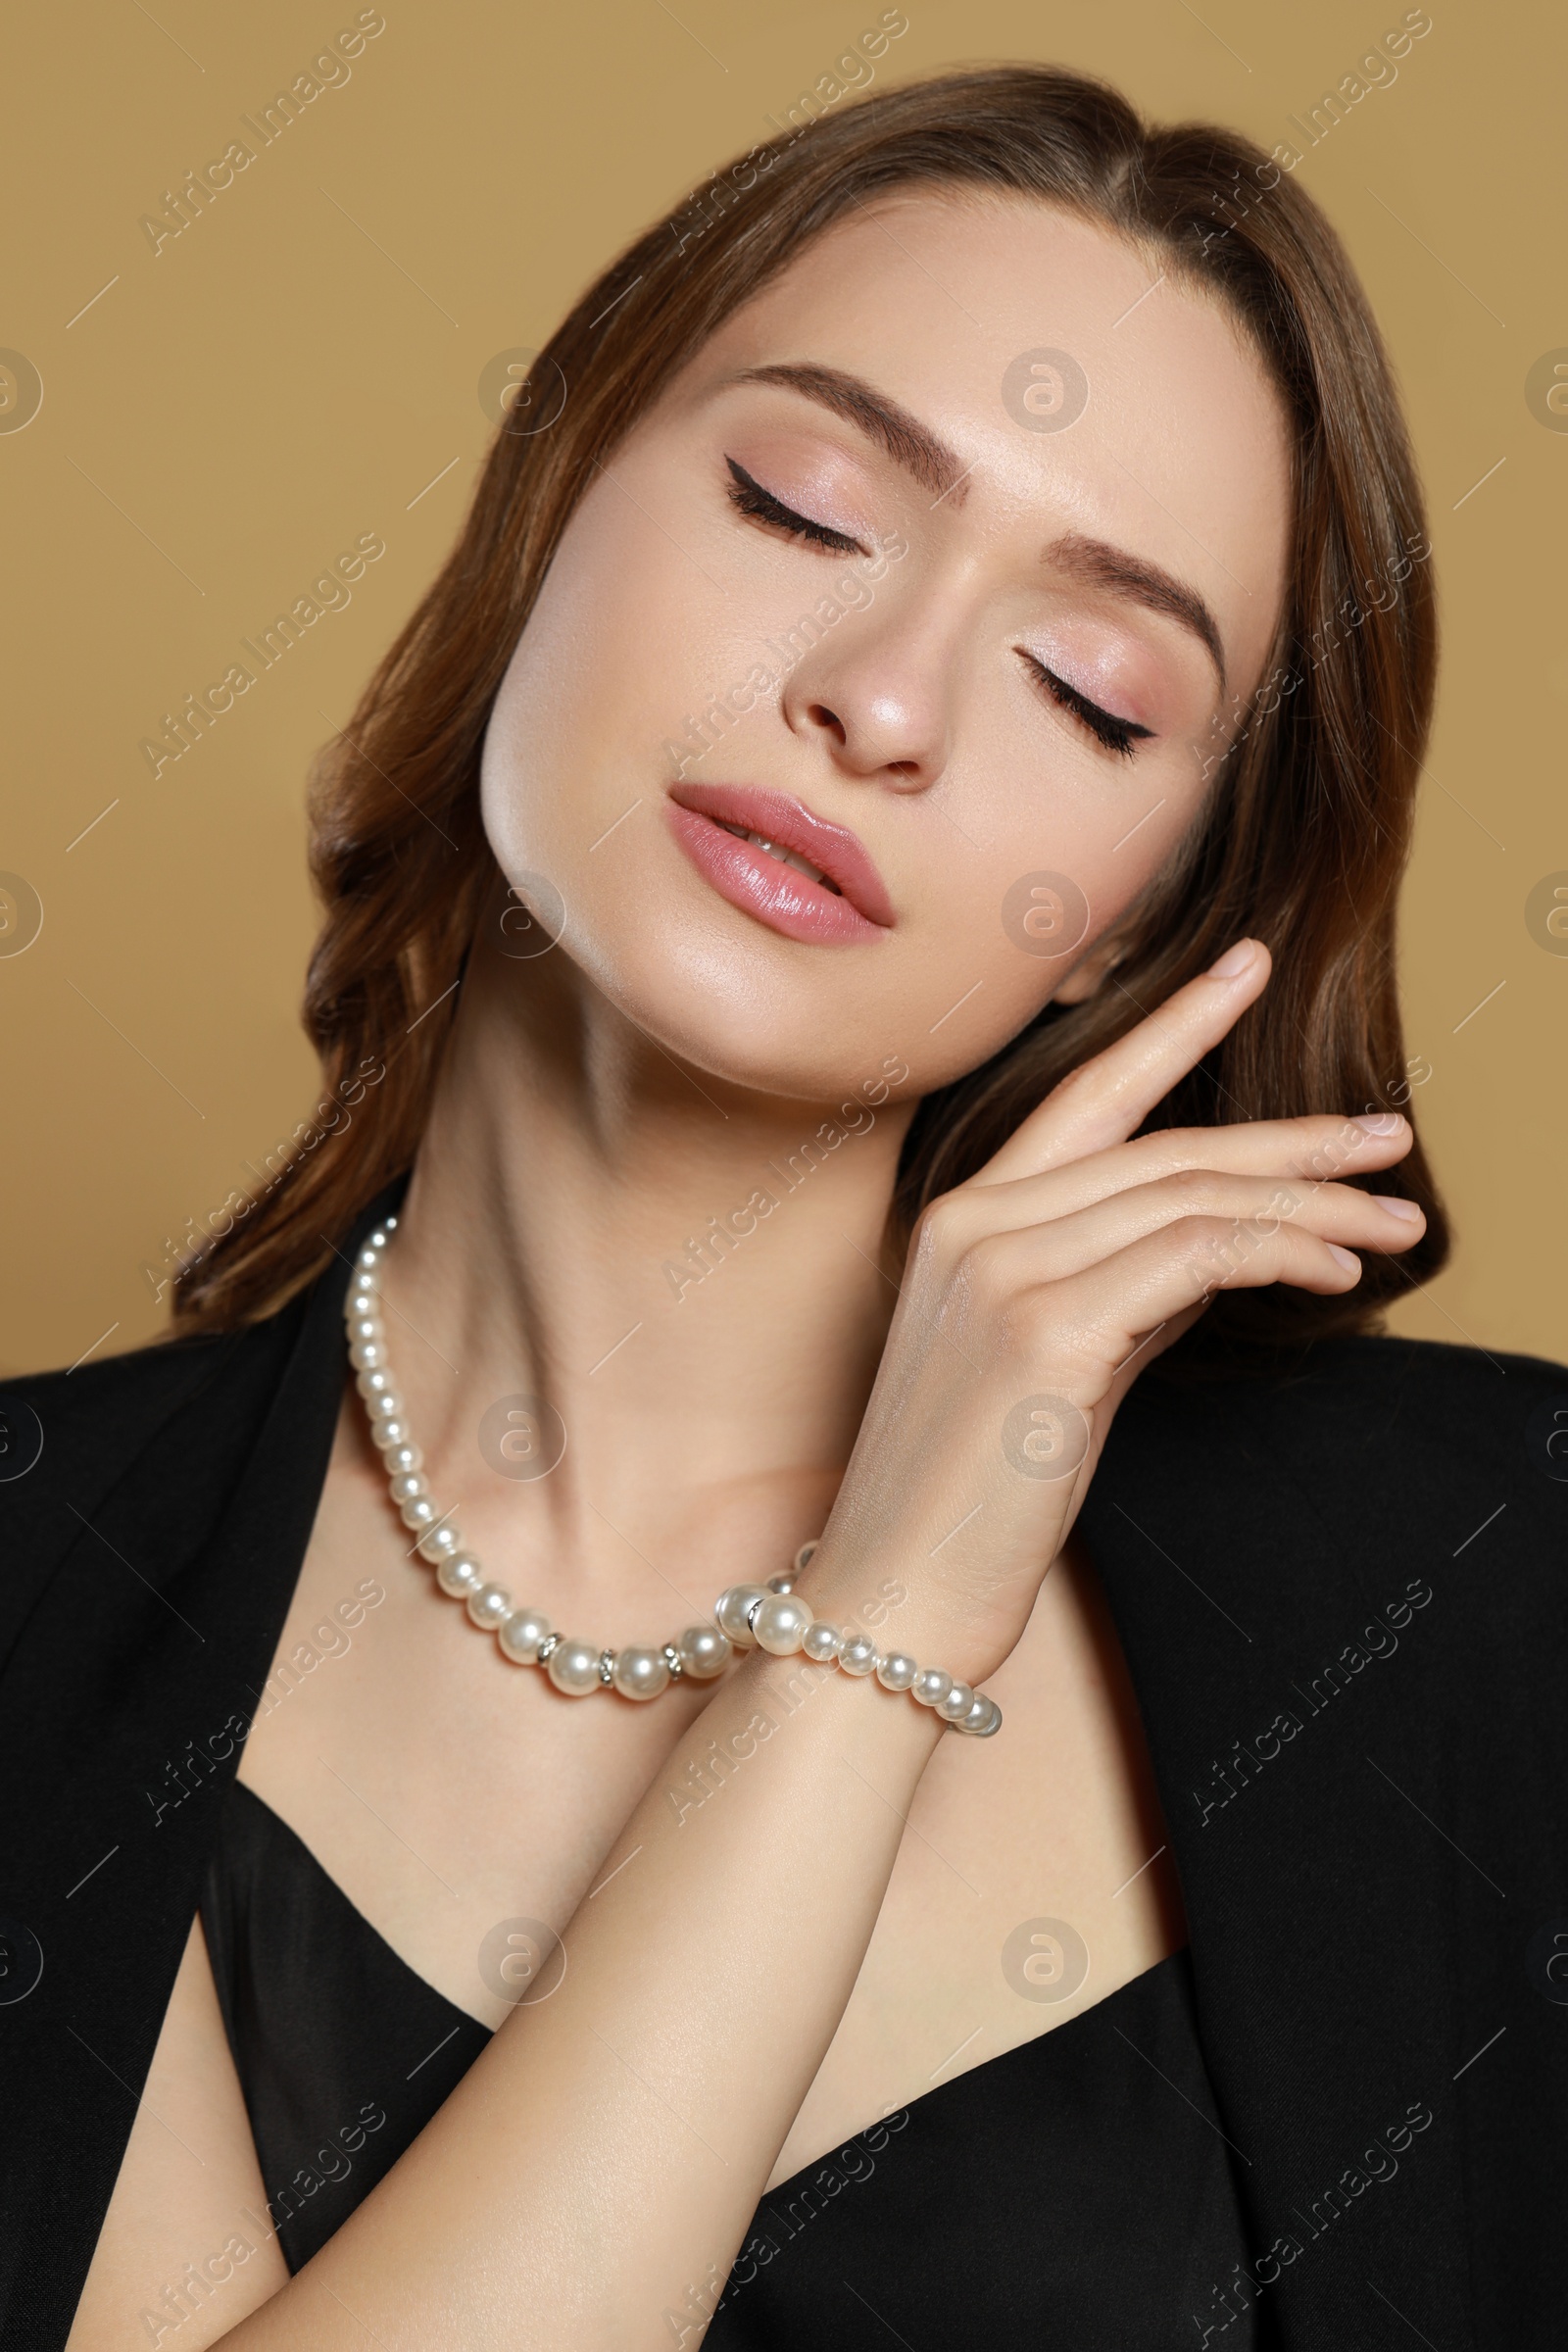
point(875, 698)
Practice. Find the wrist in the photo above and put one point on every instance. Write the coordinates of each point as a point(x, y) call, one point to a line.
point(834, 1623)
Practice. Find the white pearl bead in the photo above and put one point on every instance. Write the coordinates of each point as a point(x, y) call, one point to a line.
point(405, 1486)
point(573, 1667)
point(704, 1651)
point(931, 1685)
point(780, 1624)
point(523, 1633)
point(857, 1654)
point(364, 1326)
point(439, 1544)
point(987, 1723)
point(804, 1554)
point(897, 1671)
point(402, 1457)
point(418, 1513)
point(460, 1576)
point(389, 1431)
point(368, 1259)
point(639, 1673)
point(822, 1641)
point(958, 1701)
point(490, 1606)
point(731, 1612)
point(781, 1584)
point(367, 1355)
point(371, 1385)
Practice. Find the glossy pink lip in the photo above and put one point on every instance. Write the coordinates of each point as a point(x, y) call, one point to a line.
point(776, 894)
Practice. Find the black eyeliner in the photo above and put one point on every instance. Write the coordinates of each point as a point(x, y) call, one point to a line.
point(761, 506)
point(1117, 735)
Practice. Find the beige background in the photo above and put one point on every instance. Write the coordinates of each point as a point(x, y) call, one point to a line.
point(300, 366)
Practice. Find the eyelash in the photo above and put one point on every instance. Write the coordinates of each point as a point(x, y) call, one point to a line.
point(1119, 735)
point(750, 498)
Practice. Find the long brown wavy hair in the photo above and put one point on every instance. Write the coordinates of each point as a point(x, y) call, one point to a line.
point(1308, 822)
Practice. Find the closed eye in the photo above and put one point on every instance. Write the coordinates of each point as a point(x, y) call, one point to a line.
point(750, 498)
point(1118, 735)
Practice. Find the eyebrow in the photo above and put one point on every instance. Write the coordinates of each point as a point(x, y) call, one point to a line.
point(928, 458)
point(1103, 565)
point(906, 441)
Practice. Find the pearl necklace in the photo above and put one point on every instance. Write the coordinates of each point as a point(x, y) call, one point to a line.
point(766, 1616)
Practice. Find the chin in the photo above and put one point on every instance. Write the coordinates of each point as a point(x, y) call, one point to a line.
point(750, 1013)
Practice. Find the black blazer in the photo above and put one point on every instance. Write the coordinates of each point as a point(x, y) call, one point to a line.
point(1341, 1599)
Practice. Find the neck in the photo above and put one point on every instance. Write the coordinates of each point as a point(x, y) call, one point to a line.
point(693, 1276)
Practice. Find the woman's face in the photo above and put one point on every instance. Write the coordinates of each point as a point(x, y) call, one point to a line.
point(953, 622)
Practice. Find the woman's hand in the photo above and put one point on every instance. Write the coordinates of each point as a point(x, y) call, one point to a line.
point(1035, 1293)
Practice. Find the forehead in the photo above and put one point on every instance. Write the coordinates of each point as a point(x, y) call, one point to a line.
point(1176, 447)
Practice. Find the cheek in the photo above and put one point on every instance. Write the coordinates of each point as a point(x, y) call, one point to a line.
point(618, 649)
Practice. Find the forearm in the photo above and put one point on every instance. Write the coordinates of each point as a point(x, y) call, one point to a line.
point(605, 2153)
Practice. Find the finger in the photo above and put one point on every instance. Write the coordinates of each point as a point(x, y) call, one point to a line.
point(1088, 1325)
point(1306, 1151)
point(1249, 1210)
point(1103, 1099)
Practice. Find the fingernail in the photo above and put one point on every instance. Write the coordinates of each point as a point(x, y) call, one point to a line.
point(1379, 1122)
point(1235, 960)
point(1404, 1210)
point(1347, 1257)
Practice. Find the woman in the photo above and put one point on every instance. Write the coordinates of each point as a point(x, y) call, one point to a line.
point(859, 921)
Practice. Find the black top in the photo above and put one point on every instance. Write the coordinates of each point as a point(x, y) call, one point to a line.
point(1341, 1596)
point(1074, 2194)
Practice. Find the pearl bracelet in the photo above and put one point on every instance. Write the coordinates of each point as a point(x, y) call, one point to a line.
point(770, 1617)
